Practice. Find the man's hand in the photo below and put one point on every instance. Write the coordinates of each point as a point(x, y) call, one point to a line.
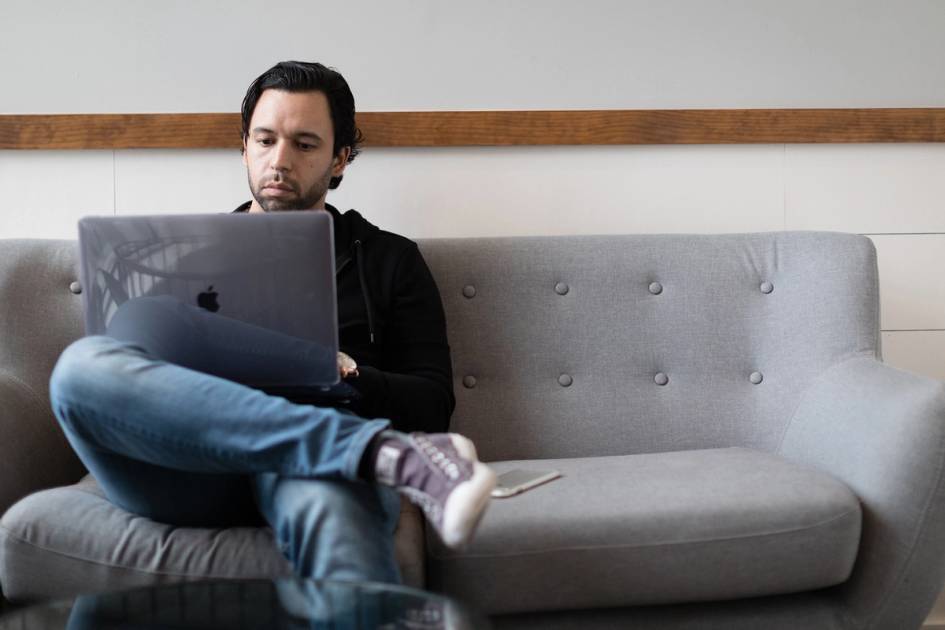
point(346, 366)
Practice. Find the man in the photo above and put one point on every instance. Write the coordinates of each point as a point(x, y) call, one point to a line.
point(186, 445)
point(389, 313)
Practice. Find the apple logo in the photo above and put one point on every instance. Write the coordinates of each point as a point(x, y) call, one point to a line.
point(208, 300)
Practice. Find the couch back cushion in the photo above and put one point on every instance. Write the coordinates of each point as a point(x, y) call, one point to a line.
point(559, 343)
point(39, 317)
point(603, 345)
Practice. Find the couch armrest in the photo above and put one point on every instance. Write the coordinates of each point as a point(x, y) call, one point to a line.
point(34, 453)
point(882, 432)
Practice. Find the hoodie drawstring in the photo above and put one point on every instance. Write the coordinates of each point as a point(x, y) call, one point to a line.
point(367, 298)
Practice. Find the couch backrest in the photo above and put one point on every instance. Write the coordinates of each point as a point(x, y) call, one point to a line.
point(560, 344)
point(39, 317)
point(557, 342)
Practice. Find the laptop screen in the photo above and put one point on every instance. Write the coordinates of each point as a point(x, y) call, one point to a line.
point(274, 271)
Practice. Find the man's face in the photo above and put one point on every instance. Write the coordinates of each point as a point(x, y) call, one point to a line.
point(288, 151)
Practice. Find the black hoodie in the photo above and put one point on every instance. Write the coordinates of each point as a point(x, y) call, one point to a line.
point(391, 322)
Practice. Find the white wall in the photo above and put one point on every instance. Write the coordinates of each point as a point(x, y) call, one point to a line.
point(198, 55)
point(138, 56)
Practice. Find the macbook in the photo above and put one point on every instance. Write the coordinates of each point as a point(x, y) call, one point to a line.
point(272, 270)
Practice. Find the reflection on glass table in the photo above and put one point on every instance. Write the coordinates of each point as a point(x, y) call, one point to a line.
point(252, 604)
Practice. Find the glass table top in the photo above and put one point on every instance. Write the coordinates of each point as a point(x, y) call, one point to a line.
point(252, 604)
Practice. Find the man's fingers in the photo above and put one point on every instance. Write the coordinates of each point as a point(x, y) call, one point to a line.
point(346, 366)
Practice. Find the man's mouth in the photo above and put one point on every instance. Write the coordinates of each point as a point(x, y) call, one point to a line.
point(278, 189)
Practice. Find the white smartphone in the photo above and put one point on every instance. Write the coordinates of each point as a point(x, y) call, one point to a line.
point(517, 481)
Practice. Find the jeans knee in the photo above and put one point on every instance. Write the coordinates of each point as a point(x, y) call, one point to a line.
point(78, 367)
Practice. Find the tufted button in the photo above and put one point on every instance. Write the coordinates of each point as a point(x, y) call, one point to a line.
point(756, 377)
point(565, 380)
point(469, 382)
point(656, 288)
point(561, 288)
point(767, 287)
point(75, 287)
point(469, 291)
point(660, 378)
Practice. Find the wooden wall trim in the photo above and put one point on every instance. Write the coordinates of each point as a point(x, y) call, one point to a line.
point(496, 128)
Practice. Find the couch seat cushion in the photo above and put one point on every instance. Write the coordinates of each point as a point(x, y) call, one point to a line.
point(70, 540)
point(656, 528)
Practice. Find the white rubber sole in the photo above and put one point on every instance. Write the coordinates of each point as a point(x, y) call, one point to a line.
point(464, 446)
point(468, 501)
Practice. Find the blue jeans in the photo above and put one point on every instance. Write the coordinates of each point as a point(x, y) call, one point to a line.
point(160, 413)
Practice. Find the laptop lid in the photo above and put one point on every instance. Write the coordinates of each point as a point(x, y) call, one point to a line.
point(273, 270)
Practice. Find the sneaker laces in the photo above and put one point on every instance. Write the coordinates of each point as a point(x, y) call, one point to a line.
point(437, 456)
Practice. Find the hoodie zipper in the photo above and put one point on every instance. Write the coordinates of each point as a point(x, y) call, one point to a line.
point(364, 294)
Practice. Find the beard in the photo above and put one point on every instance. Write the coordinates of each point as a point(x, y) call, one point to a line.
point(299, 200)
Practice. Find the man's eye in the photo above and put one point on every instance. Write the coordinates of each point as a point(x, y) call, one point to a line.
point(305, 146)
point(265, 141)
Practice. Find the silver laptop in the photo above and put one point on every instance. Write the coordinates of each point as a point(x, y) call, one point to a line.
point(276, 271)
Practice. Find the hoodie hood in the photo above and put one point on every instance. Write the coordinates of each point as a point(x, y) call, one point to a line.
point(350, 227)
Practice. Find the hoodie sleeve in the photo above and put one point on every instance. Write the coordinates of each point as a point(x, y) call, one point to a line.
point(415, 388)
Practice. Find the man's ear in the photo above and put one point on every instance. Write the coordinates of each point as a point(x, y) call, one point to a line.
point(243, 152)
point(340, 162)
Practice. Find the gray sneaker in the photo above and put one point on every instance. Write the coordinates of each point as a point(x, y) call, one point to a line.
point(441, 473)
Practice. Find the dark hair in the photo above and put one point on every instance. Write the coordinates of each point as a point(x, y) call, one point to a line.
point(303, 76)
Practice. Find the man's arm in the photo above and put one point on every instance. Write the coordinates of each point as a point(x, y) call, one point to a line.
point(415, 390)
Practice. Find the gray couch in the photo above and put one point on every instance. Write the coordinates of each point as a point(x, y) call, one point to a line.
point(735, 455)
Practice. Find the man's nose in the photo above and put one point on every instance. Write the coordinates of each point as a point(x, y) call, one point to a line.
point(280, 158)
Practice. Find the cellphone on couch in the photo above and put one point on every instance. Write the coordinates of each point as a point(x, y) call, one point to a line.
point(517, 481)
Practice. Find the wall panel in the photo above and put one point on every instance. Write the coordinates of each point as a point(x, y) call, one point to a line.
point(47, 191)
point(865, 188)
point(922, 352)
point(493, 191)
point(912, 280)
point(158, 181)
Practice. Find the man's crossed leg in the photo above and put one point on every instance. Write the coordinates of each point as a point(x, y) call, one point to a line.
point(190, 448)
